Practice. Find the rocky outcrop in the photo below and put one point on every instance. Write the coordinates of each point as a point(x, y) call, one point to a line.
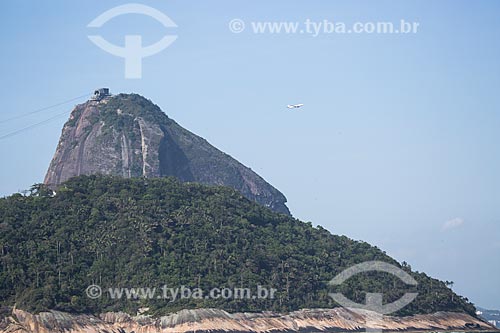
point(129, 136)
point(212, 320)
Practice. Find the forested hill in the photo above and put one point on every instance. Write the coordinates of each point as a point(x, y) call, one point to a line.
point(150, 232)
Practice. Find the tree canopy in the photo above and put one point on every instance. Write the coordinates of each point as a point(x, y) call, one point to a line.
point(140, 232)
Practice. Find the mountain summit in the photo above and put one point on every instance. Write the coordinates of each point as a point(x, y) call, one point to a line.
point(127, 135)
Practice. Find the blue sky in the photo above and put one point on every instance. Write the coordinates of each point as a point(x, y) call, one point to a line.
point(398, 136)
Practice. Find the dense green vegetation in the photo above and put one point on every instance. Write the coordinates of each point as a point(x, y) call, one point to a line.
point(149, 232)
point(130, 106)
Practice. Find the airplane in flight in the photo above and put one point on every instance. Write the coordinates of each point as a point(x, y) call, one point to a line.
point(294, 106)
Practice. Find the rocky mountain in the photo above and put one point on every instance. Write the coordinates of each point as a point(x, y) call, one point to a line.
point(127, 135)
point(214, 320)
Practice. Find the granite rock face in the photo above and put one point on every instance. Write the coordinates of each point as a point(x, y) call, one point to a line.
point(127, 135)
point(213, 320)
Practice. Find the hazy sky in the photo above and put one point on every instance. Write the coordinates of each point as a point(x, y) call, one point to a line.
point(397, 144)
